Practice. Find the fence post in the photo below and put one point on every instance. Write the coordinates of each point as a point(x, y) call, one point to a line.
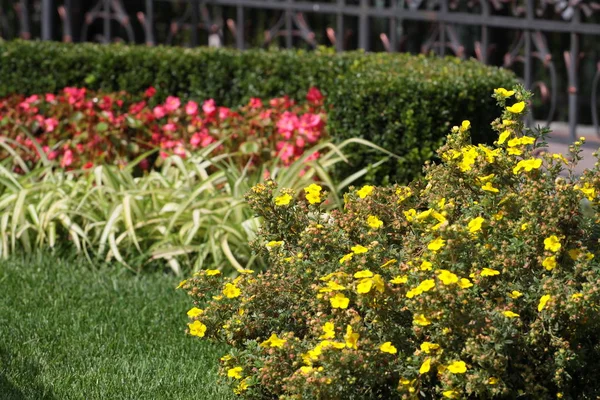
point(47, 19)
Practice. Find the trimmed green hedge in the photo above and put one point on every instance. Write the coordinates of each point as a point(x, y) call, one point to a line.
point(402, 102)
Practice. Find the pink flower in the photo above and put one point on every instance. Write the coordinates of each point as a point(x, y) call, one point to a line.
point(285, 151)
point(136, 108)
point(201, 139)
point(191, 108)
point(150, 92)
point(50, 97)
point(287, 124)
point(67, 159)
point(172, 103)
point(209, 107)
point(255, 102)
point(159, 112)
point(170, 127)
point(179, 150)
point(223, 113)
point(314, 96)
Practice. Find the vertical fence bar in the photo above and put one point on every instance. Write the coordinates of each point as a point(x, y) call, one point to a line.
point(150, 23)
point(106, 23)
point(47, 19)
point(485, 8)
point(363, 25)
point(339, 41)
point(288, 25)
point(195, 20)
point(239, 33)
point(572, 70)
point(527, 37)
point(443, 12)
point(393, 27)
point(25, 31)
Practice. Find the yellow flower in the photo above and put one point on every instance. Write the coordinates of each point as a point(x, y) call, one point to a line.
point(514, 151)
point(403, 192)
point(329, 329)
point(379, 283)
point(450, 394)
point(421, 320)
point(183, 282)
point(515, 294)
point(364, 286)
point(561, 158)
point(525, 140)
point(516, 108)
point(365, 191)
point(358, 249)
point(231, 291)
point(197, 328)
point(503, 92)
point(388, 263)
point(465, 126)
point(283, 200)
point(549, 263)
point(427, 285)
point(447, 277)
point(552, 243)
point(426, 366)
point(351, 338)
point(399, 279)
point(428, 347)
point(488, 187)
point(387, 347)
point(543, 300)
point(469, 157)
point(475, 224)
point(574, 254)
point(242, 387)
point(489, 272)
point(331, 287)
point(507, 122)
point(235, 372)
point(576, 296)
point(339, 301)
point(374, 222)
point(410, 214)
point(194, 312)
point(274, 341)
point(527, 165)
point(464, 283)
point(212, 272)
point(503, 136)
point(313, 193)
point(524, 226)
point(346, 258)
point(492, 381)
point(457, 367)
point(510, 314)
point(426, 266)
point(436, 244)
point(274, 243)
point(588, 190)
point(486, 178)
point(363, 274)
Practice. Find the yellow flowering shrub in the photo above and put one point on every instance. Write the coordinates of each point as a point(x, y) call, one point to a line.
point(480, 281)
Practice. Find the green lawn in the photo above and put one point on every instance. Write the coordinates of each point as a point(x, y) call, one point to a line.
point(69, 331)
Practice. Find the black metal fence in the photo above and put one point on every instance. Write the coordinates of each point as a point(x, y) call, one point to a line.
point(551, 44)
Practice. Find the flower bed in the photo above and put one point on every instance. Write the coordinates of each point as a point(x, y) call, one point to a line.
point(80, 129)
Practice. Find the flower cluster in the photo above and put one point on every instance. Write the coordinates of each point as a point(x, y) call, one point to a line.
point(79, 129)
point(480, 281)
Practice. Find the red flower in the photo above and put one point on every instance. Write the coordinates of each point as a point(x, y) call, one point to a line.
point(88, 165)
point(314, 96)
point(150, 92)
point(255, 103)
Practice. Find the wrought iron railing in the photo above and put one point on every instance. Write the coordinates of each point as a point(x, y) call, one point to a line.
point(512, 33)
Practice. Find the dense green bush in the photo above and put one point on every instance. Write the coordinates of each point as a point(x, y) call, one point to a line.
point(402, 102)
point(481, 281)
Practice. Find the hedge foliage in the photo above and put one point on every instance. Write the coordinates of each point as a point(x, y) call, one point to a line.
point(402, 102)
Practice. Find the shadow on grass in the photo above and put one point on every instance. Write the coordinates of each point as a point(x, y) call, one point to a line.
point(25, 385)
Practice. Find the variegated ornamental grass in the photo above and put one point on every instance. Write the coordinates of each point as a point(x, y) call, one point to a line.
point(190, 213)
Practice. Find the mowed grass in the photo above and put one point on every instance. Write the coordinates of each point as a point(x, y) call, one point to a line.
point(70, 331)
